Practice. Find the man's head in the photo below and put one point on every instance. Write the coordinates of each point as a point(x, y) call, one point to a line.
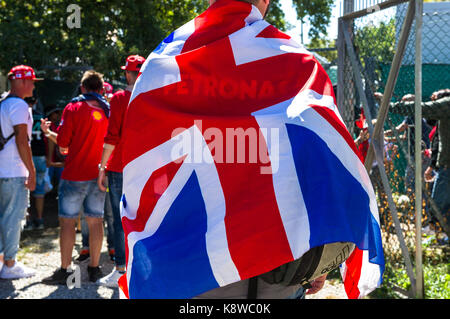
point(262, 5)
point(92, 82)
point(21, 79)
point(132, 67)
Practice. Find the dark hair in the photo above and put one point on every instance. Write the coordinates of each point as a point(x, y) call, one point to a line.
point(92, 81)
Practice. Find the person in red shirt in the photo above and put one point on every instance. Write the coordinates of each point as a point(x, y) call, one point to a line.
point(111, 165)
point(80, 134)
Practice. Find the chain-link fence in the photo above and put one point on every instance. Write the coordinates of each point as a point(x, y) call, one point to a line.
point(369, 69)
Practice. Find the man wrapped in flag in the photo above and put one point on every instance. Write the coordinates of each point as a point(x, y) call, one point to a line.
point(236, 162)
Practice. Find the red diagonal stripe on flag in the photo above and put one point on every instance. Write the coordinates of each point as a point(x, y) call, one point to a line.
point(272, 32)
point(152, 191)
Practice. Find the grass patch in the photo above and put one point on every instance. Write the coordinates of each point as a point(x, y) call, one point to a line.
point(436, 272)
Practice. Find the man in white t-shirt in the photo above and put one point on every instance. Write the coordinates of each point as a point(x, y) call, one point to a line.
point(17, 171)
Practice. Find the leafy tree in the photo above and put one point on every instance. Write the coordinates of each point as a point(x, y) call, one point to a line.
point(375, 44)
point(377, 41)
point(275, 16)
point(318, 13)
point(35, 32)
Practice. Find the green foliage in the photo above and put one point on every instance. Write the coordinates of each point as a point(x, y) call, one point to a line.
point(437, 281)
point(35, 32)
point(318, 13)
point(376, 41)
point(275, 16)
point(436, 272)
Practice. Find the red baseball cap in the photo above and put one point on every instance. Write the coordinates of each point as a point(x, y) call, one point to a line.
point(133, 63)
point(22, 72)
point(108, 88)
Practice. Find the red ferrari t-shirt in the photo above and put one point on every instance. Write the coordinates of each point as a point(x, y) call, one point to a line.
point(119, 103)
point(82, 129)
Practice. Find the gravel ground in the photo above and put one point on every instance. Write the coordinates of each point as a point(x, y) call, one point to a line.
point(39, 249)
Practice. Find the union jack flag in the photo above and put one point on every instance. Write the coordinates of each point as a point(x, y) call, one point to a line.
point(195, 215)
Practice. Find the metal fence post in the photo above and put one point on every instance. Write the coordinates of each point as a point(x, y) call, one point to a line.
point(378, 151)
point(418, 148)
point(340, 65)
point(378, 52)
point(392, 79)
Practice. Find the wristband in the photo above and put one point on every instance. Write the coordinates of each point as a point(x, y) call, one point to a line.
point(100, 168)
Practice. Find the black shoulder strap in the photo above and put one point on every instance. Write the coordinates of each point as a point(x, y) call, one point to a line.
point(1, 133)
point(252, 288)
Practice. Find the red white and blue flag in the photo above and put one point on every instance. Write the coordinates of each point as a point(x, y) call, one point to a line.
point(197, 212)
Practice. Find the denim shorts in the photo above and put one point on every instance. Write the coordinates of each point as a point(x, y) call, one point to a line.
point(43, 184)
point(76, 195)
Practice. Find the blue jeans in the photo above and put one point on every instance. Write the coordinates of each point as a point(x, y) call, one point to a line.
point(441, 193)
point(108, 218)
point(14, 200)
point(74, 195)
point(115, 191)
